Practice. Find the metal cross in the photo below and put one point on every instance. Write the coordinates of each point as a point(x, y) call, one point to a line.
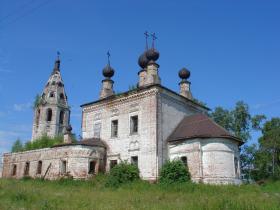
point(146, 36)
point(108, 54)
point(153, 35)
point(58, 54)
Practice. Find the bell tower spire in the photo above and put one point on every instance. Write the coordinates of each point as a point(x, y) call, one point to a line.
point(51, 113)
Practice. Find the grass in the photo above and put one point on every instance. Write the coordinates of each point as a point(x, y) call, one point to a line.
point(70, 194)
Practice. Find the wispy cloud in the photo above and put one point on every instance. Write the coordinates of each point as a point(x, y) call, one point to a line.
point(22, 107)
point(266, 105)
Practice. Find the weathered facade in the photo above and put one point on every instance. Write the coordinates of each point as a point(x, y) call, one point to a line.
point(52, 113)
point(79, 161)
point(145, 126)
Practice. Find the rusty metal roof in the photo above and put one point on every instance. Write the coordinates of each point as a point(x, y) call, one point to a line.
point(200, 126)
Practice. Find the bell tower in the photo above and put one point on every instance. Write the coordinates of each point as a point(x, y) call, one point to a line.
point(51, 113)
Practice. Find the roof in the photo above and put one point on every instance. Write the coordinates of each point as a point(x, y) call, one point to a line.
point(138, 89)
point(93, 142)
point(200, 126)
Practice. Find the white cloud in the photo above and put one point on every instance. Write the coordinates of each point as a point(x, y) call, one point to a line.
point(22, 107)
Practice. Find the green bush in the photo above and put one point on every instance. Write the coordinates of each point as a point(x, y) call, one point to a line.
point(42, 142)
point(121, 174)
point(174, 172)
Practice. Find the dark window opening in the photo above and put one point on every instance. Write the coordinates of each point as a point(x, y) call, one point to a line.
point(63, 167)
point(134, 160)
point(113, 163)
point(51, 94)
point(134, 124)
point(26, 169)
point(49, 115)
point(53, 82)
point(39, 167)
point(236, 166)
point(61, 117)
point(114, 128)
point(14, 171)
point(184, 160)
point(61, 96)
point(91, 167)
point(60, 84)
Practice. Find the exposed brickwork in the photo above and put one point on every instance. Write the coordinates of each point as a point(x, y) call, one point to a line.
point(77, 162)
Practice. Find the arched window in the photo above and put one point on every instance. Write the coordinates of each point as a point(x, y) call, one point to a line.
point(39, 167)
point(184, 160)
point(37, 117)
point(92, 167)
point(14, 172)
point(61, 117)
point(61, 96)
point(236, 166)
point(51, 94)
point(26, 169)
point(49, 115)
point(60, 84)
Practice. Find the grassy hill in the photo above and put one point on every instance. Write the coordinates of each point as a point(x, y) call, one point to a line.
point(69, 194)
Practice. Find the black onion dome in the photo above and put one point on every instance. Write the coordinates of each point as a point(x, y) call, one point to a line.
point(69, 128)
point(108, 71)
point(152, 54)
point(184, 73)
point(143, 60)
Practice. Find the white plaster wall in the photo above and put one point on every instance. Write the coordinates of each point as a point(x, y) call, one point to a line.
point(209, 160)
point(173, 110)
point(218, 160)
point(126, 145)
point(77, 158)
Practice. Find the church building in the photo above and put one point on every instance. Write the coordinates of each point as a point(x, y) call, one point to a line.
point(145, 126)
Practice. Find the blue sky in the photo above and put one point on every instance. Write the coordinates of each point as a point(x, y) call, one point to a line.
point(231, 47)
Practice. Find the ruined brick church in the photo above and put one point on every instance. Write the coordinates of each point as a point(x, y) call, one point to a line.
point(145, 126)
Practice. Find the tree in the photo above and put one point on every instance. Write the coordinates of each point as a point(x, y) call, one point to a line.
point(223, 117)
point(241, 121)
point(17, 146)
point(247, 158)
point(236, 121)
point(270, 148)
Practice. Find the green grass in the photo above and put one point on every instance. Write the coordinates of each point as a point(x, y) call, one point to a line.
point(69, 194)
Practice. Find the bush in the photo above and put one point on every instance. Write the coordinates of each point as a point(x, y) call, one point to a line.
point(42, 142)
point(121, 174)
point(174, 172)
